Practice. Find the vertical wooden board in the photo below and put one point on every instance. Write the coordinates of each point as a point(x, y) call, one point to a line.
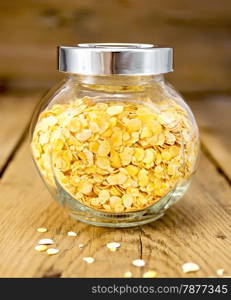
point(15, 113)
point(31, 30)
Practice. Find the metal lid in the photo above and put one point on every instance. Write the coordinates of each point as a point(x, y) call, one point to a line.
point(115, 58)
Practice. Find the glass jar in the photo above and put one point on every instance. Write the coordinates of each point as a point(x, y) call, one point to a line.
point(115, 144)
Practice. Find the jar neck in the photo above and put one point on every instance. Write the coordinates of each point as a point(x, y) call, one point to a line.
point(115, 80)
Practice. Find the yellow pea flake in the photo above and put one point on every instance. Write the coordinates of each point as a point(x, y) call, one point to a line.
point(117, 138)
point(166, 155)
point(149, 156)
point(150, 274)
point(40, 248)
point(72, 233)
point(52, 251)
point(139, 154)
point(58, 144)
point(190, 267)
point(116, 179)
point(146, 132)
point(94, 147)
point(115, 201)
point(127, 200)
point(84, 135)
point(44, 138)
point(220, 272)
point(115, 159)
point(113, 249)
point(126, 136)
point(143, 177)
point(74, 125)
point(46, 242)
point(115, 110)
point(62, 162)
point(138, 263)
point(89, 260)
point(128, 274)
point(132, 170)
point(50, 121)
point(134, 124)
point(94, 127)
point(104, 148)
point(42, 229)
point(103, 195)
point(103, 163)
point(85, 188)
point(126, 156)
point(113, 246)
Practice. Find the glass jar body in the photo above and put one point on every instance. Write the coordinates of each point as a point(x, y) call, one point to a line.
point(105, 107)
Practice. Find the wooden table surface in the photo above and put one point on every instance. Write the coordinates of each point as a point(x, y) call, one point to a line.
point(196, 229)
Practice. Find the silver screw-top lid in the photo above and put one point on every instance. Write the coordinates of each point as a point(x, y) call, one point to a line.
point(115, 58)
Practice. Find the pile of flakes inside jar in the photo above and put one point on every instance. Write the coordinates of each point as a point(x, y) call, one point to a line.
point(115, 156)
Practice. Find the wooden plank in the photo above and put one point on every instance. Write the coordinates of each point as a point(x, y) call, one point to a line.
point(15, 114)
point(27, 206)
point(196, 229)
point(31, 31)
point(213, 114)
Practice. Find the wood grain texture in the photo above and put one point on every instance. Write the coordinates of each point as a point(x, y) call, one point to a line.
point(196, 229)
point(198, 30)
point(214, 117)
point(15, 113)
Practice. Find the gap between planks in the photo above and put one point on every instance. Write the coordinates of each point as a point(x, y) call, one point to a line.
point(215, 162)
point(189, 231)
point(15, 115)
point(14, 150)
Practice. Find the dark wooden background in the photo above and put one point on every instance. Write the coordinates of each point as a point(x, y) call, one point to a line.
point(200, 32)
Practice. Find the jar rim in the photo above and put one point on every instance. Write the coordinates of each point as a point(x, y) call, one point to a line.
point(115, 58)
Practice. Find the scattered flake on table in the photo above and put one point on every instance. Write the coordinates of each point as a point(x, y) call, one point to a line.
point(139, 262)
point(128, 274)
point(89, 260)
point(42, 229)
point(40, 248)
point(52, 251)
point(220, 272)
point(150, 274)
point(71, 233)
point(190, 267)
point(113, 249)
point(46, 242)
point(81, 245)
point(113, 246)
